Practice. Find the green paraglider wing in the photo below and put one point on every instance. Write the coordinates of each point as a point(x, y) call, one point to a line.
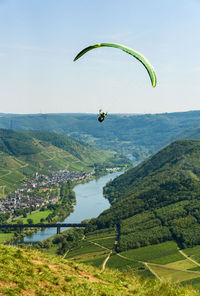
point(131, 51)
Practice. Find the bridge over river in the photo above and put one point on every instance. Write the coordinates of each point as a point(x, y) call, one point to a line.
point(42, 225)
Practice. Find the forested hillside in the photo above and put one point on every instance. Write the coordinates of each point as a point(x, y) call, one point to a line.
point(136, 135)
point(158, 200)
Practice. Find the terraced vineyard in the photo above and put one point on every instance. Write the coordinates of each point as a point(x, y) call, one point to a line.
point(164, 261)
point(22, 154)
point(28, 272)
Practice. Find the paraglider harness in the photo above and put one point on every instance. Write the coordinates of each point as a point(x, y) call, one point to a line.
point(102, 116)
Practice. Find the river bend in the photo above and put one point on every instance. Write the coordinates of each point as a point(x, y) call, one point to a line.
point(90, 202)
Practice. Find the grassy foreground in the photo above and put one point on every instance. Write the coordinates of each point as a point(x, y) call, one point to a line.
point(28, 272)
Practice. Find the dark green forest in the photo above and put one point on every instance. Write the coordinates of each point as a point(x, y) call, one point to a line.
point(16, 143)
point(158, 200)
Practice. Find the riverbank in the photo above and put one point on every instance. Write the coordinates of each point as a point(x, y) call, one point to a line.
point(50, 213)
point(89, 203)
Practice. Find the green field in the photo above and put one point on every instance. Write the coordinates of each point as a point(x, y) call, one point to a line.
point(5, 236)
point(96, 261)
point(106, 242)
point(104, 233)
point(117, 262)
point(194, 253)
point(52, 250)
point(94, 249)
point(174, 275)
point(85, 248)
point(36, 216)
point(163, 261)
point(182, 264)
point(88, 253)
point(3, 172)
point(171, 264)
point(161, 253)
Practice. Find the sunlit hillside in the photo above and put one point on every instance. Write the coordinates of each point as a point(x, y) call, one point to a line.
point(27, 272)
point(22, 154)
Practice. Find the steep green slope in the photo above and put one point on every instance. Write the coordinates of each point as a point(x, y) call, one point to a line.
point(78, 149)
point(16, 143)
point(24, 153)
point(26, 272)
point(179, 160)
point(158, 200)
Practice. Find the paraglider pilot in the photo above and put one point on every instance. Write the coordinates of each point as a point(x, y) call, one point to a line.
point(102, 116)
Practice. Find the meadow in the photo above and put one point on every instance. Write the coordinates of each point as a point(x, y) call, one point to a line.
point(5, 236)
point(36, 216)
point(30, 272)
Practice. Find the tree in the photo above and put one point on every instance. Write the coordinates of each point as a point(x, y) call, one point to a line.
point(30, 221)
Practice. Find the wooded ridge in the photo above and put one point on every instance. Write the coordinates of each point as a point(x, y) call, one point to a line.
point(158, 200)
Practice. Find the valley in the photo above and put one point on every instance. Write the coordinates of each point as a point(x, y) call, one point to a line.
point(151, 228)
point(135, 135)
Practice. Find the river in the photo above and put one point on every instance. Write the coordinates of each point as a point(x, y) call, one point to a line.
point(90, 202)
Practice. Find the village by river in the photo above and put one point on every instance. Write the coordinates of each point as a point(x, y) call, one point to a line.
point(90, 202)
point(28, 195)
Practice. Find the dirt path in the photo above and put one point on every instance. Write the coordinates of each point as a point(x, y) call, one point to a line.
point(186, 256)
point(9, 172)
point(105, 261)
point(24, 165)
point(90, 278)
point(3, 188)
point(99, 245)
point(107, 258)
point(118, 254)
point(152, 271)
point(66, 254)
point(104, 237)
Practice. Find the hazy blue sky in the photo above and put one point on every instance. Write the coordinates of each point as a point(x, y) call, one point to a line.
point(40, 38)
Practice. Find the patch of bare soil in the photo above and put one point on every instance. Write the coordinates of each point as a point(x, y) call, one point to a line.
point(3, 284)
point(37, 262)
point(28, 293)
point(53, 267)
point(91, 278)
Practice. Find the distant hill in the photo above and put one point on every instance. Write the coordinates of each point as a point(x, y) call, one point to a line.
point(136, 135)
point(29, 272)
point(22, 153)
point(158, 200)
point(190, 133)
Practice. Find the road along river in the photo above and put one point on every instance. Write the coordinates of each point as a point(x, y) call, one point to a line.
point(90, 202)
